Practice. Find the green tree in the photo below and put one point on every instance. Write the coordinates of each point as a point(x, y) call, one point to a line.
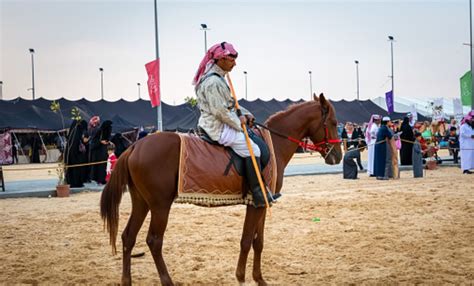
point(191, 100)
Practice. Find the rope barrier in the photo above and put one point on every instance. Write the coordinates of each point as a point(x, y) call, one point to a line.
point(58, 165)
point(319, 155)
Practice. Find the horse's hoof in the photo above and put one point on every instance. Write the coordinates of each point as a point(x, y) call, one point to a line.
point(126, 282)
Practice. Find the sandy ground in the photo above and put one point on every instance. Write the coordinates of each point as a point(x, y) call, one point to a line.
point(373, 232)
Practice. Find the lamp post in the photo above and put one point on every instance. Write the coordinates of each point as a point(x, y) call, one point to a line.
point(101, 83)
point(205, 28)
point(32, 52)
point(138, 85)
point(391, 40)
point(472, 54)
point(357, 77)
point(157, 51)
point(310, 86)
point(1, 90)
point(245, 75)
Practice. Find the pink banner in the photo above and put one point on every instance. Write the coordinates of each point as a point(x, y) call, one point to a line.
point(153, 71)
point(6, 156)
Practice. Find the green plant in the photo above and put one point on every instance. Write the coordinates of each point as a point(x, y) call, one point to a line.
point(56, 108)
point(61, 168)
point(76, 114)
point(60, 173)
point(191, 100)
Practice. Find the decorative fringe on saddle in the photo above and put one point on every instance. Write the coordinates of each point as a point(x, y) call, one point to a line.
point(207, 200)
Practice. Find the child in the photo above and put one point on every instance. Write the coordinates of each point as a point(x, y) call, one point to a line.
point(417, 156)
point(453, 143)
point(110, 161)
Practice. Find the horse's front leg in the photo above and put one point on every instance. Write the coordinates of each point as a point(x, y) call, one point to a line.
point(252, 218)
point(257, 251)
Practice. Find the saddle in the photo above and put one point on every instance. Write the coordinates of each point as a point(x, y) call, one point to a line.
point(236, 160)
point(211, 174)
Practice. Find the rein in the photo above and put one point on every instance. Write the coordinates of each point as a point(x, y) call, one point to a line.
point(324, 146)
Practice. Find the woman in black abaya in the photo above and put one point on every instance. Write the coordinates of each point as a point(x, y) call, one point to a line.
point(75, 153)
point(407, 137)
point(99, 152)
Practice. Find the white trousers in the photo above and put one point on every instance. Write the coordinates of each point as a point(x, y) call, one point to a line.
point(370, 159)
point(236, 140)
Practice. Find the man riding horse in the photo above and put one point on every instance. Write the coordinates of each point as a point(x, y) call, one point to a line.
point(219, 119)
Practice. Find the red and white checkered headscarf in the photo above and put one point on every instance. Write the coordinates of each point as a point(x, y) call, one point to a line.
point(369, 126)
point(94, 121)
point(216, 52)
point(468, 117)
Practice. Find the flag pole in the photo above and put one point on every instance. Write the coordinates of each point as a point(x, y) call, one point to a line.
point(249, 145)
point(157, 47)
point(472, 54)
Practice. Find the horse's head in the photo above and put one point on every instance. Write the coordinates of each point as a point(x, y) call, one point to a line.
point(322, 131)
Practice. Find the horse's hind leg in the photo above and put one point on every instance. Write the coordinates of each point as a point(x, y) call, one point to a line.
point(159, 220)
point(253, 217)
point(129, 235)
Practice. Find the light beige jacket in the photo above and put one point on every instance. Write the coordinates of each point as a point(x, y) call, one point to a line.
point(216, 104)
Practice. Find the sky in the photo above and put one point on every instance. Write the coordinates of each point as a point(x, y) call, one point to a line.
point(278, 42)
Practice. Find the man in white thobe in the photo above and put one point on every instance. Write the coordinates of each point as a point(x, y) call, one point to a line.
point(466, 143)
point(371, 138)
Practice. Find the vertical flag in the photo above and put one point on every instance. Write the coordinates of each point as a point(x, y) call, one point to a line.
point(153, 71)
point(466, 89)
point(389, 101)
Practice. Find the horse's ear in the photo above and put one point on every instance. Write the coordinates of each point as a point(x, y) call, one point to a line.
point(315, 97)
point(323, 101)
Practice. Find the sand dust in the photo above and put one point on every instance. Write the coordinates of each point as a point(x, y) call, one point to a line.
point(403, 231)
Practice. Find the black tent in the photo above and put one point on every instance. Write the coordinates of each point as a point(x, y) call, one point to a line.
point(36, 114)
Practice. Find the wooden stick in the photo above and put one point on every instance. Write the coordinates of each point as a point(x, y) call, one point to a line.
point(249, 145)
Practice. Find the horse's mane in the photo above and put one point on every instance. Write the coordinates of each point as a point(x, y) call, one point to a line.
point(283, 113)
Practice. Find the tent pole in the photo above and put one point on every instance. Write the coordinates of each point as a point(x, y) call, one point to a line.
point(44, 146)
point(19, 144)
point(61, 138)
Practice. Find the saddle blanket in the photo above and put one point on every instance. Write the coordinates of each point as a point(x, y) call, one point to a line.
point(202, 178)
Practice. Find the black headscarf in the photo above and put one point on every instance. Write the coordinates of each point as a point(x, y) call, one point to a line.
point(407, 130)
point(106, 130)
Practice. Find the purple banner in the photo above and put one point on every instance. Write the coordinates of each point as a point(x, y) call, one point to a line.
point(389, 101)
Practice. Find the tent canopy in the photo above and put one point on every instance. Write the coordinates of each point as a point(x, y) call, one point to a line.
point(36, 114)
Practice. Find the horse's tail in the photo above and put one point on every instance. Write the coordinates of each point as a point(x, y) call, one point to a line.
point(112, 195)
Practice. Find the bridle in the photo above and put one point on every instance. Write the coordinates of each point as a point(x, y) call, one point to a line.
point(323, 147)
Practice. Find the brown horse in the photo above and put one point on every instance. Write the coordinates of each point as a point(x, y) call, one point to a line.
point(140, 165)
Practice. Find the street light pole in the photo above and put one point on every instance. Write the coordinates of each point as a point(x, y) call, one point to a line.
point(245, 74)
point(157, 49)
point(101, 83)
point(32, 52)
point(310, 86)
point(205, 28)
point(138, 85)
point(357, 75)
point(472, 55)
point(391, 40)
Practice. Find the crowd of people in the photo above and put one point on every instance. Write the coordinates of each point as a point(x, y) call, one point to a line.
point(91, 151)
point(414, 143)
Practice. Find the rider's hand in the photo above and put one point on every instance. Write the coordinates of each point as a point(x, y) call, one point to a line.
point(250, 119)
point(243, 119)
